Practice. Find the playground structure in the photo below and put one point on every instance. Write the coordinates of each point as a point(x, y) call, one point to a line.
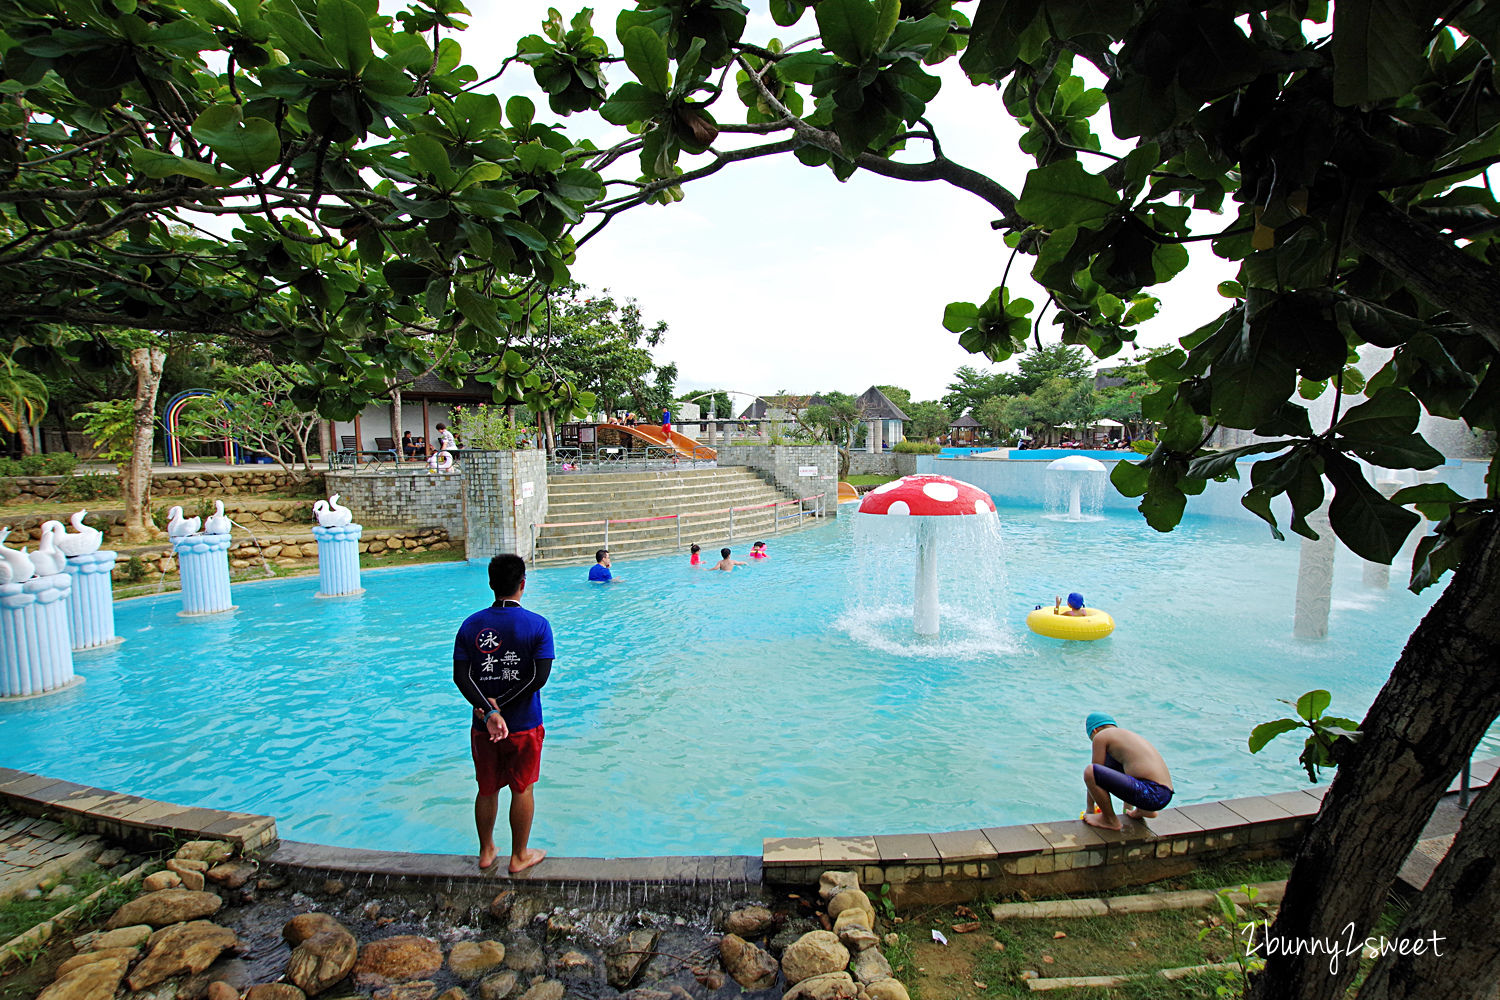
point(172, 418)
point(611, 441)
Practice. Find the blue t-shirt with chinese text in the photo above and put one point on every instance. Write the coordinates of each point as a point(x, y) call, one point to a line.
point(599, 573)
point(499, 647)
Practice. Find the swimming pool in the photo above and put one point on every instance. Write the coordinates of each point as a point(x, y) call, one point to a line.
point(694, 712)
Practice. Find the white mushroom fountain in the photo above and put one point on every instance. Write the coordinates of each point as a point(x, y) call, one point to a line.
point(91, 606)
point(338, 549)
point(927, 499)
point(1072, 476)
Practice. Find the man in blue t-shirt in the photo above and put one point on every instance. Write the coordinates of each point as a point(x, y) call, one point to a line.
point(599, 572)
point(501, 659)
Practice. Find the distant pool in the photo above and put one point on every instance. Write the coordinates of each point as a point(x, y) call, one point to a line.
point(692, 712)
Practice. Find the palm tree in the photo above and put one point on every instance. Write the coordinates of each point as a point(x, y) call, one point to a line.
point(23, 401)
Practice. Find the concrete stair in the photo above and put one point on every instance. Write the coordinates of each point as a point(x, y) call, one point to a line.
point(701, 498)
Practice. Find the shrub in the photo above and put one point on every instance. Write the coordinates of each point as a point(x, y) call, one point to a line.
point(60, 463)
point(916, 448)
point(89, 486)
point(135, 569)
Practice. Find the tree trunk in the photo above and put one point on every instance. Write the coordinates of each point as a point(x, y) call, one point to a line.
point(1458, 918)
point(1441, 697)
point(135, 475)
point(24, 432)
point(548, 426)
point(396, 418)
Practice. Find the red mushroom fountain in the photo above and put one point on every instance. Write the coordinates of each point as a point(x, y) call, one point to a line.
point(926, 498)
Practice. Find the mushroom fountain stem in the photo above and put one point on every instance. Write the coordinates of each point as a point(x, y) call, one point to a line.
point(1075, 504)
point(925, 607)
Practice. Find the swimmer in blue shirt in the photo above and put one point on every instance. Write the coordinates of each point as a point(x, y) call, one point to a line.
point(599, 572)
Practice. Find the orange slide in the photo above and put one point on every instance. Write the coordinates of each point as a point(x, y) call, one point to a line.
point(847, 492)
point(684, 446)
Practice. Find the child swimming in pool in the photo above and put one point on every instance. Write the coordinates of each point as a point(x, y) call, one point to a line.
point(727, 564)
point(1075, 606)
point(758, 551)
point(695, 559)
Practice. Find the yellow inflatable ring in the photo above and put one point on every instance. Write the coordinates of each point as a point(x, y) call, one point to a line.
point(1092, 624)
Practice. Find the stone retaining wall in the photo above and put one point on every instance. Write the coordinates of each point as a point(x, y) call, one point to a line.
point(417, 497)
point(296, 549)
point(255, 515)
point(249, 482)
point(862, 463)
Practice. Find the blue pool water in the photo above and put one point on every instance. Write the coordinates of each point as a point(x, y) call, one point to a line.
point(697, 712)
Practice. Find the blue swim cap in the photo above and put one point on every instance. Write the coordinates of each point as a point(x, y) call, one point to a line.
point(1075, 601)
point(1095, 720)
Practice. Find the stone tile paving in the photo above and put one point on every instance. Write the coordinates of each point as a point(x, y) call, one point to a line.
point(30, 845)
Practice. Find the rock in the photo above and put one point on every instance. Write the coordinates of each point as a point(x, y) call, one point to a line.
point(574, 963)
point(752, 967)
point(180, 948)
point(180, 865)
point(749, 921)
point(169, 906)
point(642, 993)
point(851, 899)
point(453, 993)
point(420, 989)
point(470, 959)
point(94, 981)
point(870, 966)
point(790, 932)
point(126, 955)
point(625, 956)
point(319, 958)
point(525, 956)
point(162, 880)
point(497, 987)
point(109, 857)
point(829, 986)
point(271, 517)
point(334, 887)
point(500, 905)
point(274, 991)
point(232, 874)
point(209, 851)
point(813, 954)
point(220, 990)
point(561, 924)
point(63, 891)
point(830, 884)
point(887, 989)
point(547, 989)
point(399, 959)
point(271, 551)
point(235, 973)
point(855, 935)
point(125, 937)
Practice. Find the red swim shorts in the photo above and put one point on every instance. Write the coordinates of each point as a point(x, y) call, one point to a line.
point(515, 761)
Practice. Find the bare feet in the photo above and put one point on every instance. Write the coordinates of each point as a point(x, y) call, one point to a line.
point(487, 855)
point(1095, 820)
point(532, 856)
point(1140, 814)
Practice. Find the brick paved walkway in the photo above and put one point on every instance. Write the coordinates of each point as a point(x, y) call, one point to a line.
point(33, 849)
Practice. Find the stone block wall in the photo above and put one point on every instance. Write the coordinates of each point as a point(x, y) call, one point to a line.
point(250, 482)
point(505, 493)
point(862, 463)
point(781, 465)
point(417, 497)
point(292, 550)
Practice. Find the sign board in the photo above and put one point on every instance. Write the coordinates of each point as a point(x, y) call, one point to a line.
point(829, 479)
point(807, 470)
point(528, 490)
point(585, 435)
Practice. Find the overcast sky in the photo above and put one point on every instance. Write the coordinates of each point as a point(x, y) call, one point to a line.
point(774, 276)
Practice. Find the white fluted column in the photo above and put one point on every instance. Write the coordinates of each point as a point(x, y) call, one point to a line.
point(35, 655)
point(203, 562)
point(91, 605)
point(338, 560)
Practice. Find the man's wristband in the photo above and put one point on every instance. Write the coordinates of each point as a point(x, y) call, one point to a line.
point(493, 711)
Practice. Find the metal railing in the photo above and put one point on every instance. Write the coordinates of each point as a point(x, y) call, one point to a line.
point(817, 499)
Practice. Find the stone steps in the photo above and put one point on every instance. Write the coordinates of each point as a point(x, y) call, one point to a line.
point(677, 502)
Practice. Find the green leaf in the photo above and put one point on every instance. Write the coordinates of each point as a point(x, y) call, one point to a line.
point(250, 145)
point(1223, 463)
point(297, 40)
point(157, 164)
point(1371, 526)
point(1063, 194)
point(1231, 289)
point(632, 103)
point(1434, 500)
point(646, 55)
point(887, 16)
point(1249, 380)
point(479, 310)
point(1389, 413)
point(848, 28)
point(1130, 478)
point(960, 316)
point(346, 32)
point(429, 157)
point(520, 111)
point(1313, 704)
point(1377, 48)
point(1267, 731)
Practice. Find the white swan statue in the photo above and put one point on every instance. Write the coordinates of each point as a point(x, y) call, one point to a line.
point(15, 565)
point(48, 559)
point(179, 526)
point(217, 523)
point(82, 540)
point(330, 514)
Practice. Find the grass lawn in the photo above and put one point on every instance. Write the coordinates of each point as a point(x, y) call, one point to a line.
point(868, 480)
point(34, 970)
